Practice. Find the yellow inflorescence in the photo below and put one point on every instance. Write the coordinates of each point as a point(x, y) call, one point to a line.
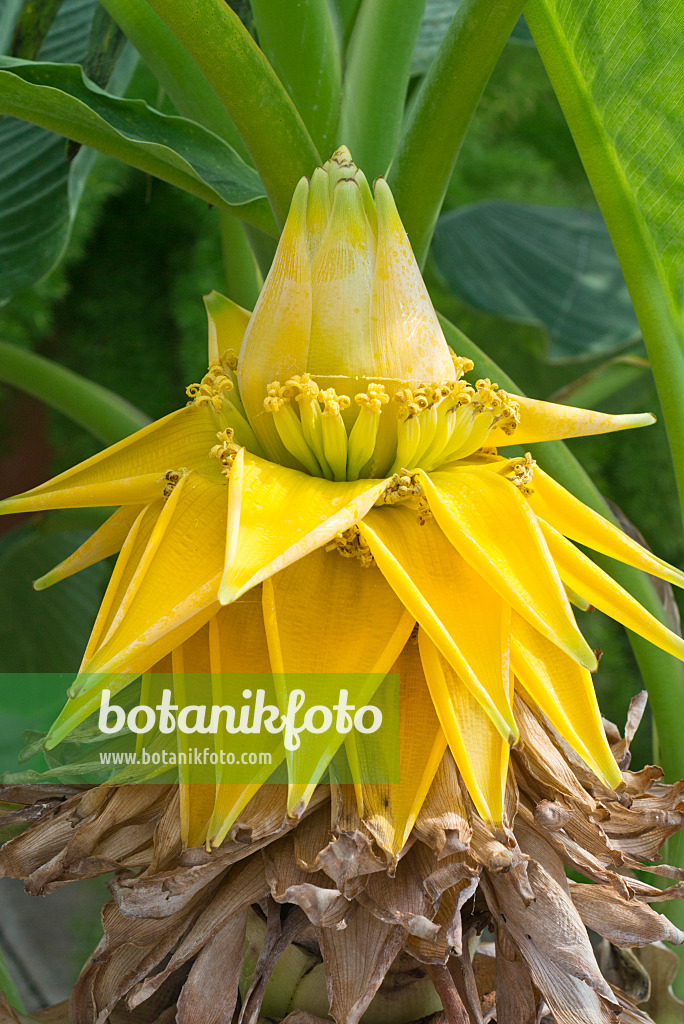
point(350, 544)
point(213, 386)
point(520, 472)
point(226, 450)
point(403, 485)
point(436, 423)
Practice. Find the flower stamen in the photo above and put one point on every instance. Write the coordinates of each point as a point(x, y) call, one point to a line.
point(350, 544)
point(226, 450)
point(213, 387)
point(437, 422)
point(364, 433)
point(306, 393)
point(172, 478)
point(520, 471)
point(402, 486)
point(334, 432)
point(289, 426)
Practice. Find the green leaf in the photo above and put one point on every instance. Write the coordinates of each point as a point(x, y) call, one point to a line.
point(301, 43)
point(106, 415)
point(617, 71)
point(439, 118)
point(521, 33)
point(554, 266)
point(59, 98)
point(244, 81)
point(173, 68)
point(39, 189)
point(105, 46)
point(347, 13)
point(376, 77)
point(62, 616)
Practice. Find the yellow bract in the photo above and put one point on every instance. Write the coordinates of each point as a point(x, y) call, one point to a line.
point(361, 520)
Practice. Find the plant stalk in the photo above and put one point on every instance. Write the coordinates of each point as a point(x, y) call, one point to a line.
point(439, 119)
point(97, 409)
point(301, 42)
point(264, 115)
point(173, 68)
point(376, 78)
point(243, 277)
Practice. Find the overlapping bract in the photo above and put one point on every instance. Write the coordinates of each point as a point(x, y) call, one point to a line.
point(455, 569)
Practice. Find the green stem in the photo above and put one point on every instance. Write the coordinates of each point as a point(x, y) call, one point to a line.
point(264, 248)
point(98, 409)
point(173, 68)
point(347, 12)
point(376, 79)
point(8, 987)
point(657, 308)
point(32, 26)
point(301, 43)
point(663, 676)
point(264, 115)
point(438, 122)
point(243, 277)
point(603, 382)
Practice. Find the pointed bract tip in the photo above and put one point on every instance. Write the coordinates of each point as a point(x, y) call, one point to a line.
point(297, 215)
point(342, 155)
point(228, 593)
point(388, 215)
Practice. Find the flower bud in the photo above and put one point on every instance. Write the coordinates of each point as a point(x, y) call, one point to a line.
point(344, 301)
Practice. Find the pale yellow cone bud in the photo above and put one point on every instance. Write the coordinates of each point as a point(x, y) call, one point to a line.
point(276, 341)
point(344, 301)
point(342, 278)
point(407, 341)
point(317, 209)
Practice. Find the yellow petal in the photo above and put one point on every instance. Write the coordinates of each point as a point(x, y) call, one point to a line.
point(486, 517)
point(565, 693)
point(243, 621)
point(276, 341)
point(329, 615)
point(463, 616)
point(106, 541)
point(196, 799)
point(573, 519)
point(545, 421)
point(580, 573)
point(390, 811)
point(227, 324)
point(479, 751)
point(163, 583)
point(125, 568)
point(131, 472)
point(284, 515)
point(177, 577)
point(406, 338)
point(126, 670)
